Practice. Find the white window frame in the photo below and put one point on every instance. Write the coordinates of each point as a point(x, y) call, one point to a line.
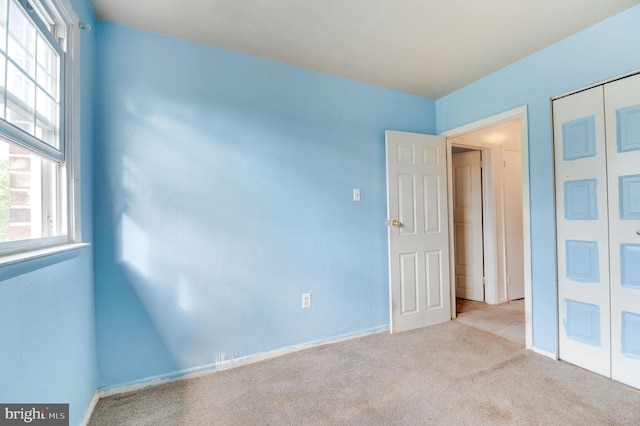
point(67, 25)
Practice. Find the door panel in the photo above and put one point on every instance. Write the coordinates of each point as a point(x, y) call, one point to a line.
point(419, 244)
point(582, 230)
point(409, 283)
point(433, 262)
point(512, 179)
point(467, 223)
point(406, 204)
point(622, 103)
point(432, 207)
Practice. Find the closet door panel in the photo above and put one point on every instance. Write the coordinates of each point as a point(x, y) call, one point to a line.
point(622, 106)
point(582, 230)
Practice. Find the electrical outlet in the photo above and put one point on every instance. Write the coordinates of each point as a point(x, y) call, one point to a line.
point(306, 300)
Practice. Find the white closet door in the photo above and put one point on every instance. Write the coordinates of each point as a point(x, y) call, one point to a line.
point(622, 104)
point(582, 230)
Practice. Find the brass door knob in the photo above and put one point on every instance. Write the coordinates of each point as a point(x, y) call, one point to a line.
point(395, 223)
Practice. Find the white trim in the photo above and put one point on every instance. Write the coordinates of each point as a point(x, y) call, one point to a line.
point(14, 134)
point(90, 408)
point(65, 10)
point(452, 255)
point(208, 369)
point(487, 122)
point(72, 126)
point(526, 226)
point(13, 258)
point(521, 113)
point(600, 83)
point(20, 246)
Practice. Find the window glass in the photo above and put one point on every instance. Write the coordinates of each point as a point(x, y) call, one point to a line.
point(3, 62)
point(20, 98)
point(24, 179)
point(32, 162)
point(22, 39)
point(3, 25)
point(48, 67)
point(30, 88)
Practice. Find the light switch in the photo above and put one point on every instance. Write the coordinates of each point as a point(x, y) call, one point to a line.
point(356, 194)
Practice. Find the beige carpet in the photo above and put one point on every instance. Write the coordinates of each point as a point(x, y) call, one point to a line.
point(448, 374)
point(506, 320)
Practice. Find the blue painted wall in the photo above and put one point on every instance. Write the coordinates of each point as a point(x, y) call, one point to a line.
point(47, 316)
point(605, 50)
point(223, 192)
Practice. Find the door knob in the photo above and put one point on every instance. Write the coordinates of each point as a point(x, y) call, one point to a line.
point(638, 232)
point(395, 223)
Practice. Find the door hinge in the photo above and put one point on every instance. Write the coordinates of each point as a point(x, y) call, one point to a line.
point(484, 281)
point(482, 164)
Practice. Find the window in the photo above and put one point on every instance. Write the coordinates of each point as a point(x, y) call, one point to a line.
point(37, 131)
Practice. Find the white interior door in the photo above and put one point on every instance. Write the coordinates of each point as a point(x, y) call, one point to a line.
point(514, 237)
point(582, 230)
point(622, 106)
point(467, 225)
point(418, 235)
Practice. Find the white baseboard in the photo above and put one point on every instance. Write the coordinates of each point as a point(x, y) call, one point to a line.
point(205, 370)
point(90, 408)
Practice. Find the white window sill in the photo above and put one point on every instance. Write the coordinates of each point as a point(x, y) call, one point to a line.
point(10, 259)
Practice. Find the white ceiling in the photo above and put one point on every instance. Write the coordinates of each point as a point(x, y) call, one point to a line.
point(425, 47)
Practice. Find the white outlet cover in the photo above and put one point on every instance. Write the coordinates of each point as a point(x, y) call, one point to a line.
point(306, 300)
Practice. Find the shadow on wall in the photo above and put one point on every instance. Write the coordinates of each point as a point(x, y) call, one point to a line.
point(217, 235)
point(223, 193)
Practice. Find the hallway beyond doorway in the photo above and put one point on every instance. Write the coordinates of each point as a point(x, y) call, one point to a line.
point(505, 320)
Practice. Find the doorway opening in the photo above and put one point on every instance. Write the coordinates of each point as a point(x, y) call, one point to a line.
point(468, 239)
point(489, 225)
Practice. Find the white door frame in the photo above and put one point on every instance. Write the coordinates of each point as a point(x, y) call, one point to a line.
point(492, 290)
